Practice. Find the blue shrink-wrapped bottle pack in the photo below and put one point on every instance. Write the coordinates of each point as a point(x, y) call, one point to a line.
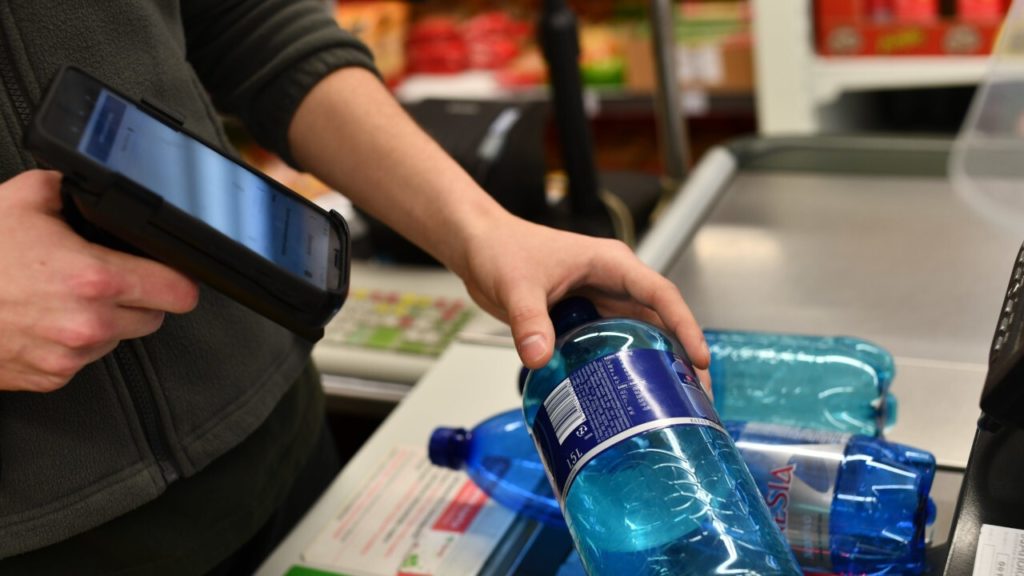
point(847, 503)
point(835, 383)
point(648, 480)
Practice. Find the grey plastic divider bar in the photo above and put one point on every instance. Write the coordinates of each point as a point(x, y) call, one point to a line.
point(679, 220)
point(866, 155)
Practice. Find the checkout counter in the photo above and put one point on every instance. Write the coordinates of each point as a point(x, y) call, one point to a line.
point(864, 237)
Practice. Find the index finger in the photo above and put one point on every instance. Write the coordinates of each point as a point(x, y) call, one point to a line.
point(659, 294)
point(146, 283)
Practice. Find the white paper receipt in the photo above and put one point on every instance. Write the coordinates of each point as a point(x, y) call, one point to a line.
point(410, 518)
point(1000, 552)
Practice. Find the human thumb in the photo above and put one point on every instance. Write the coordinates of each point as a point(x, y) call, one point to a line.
point(532, 330)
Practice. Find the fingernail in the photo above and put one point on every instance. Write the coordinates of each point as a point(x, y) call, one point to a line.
point(532, 348)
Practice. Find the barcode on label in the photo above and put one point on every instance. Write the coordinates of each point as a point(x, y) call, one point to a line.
point(564, 410)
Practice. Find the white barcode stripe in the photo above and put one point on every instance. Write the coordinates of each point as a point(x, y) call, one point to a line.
point(564, 410)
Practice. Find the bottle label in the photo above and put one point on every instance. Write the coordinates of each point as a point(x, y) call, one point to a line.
point(796, 470)
point(611, 399)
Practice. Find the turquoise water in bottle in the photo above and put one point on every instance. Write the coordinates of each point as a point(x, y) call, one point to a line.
point(846, 503)
point(650, 483)
point(833, 383)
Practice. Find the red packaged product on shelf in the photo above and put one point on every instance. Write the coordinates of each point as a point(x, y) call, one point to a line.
point(493, 39)
point(981, 10)
point(838, 34)
point(435, 45)
point(879, 10)
point(924, 11)
point(844, 10)
point(944, 38)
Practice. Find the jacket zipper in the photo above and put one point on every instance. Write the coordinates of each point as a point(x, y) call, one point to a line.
point(145, 408)
point(141, 396)
point(15, 86)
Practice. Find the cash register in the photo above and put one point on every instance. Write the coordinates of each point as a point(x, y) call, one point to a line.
point(987, 536)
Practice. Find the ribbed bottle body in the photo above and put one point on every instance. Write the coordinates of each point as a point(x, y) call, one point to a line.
point(650, 482)
point(824, 382)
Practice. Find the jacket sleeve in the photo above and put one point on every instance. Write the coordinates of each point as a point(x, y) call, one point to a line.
point(259, 58)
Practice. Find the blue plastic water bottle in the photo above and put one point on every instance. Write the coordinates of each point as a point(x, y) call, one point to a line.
point(648, 480)
point(500, 458)
point(826, 382)
point(848, 504)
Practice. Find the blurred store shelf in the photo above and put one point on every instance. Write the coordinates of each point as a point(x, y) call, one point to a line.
point(799, 90)
point(483, 85)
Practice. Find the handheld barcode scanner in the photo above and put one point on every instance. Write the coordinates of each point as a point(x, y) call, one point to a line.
point(137, 180)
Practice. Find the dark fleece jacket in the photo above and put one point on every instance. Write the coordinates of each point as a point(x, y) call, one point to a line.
point(165, 406)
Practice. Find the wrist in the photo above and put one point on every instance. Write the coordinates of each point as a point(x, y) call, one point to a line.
point(470, 225)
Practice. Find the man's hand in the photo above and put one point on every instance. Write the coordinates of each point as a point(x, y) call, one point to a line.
point(65, 302)
point(517, 270)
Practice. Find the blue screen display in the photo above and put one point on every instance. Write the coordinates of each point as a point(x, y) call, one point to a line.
point(209, 186)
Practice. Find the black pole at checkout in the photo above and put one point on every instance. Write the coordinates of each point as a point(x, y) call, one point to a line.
point(559, 38)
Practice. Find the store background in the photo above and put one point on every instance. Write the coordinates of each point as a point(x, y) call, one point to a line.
point(744, 67)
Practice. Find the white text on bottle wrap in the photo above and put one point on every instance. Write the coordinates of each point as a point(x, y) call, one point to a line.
point(612, 399)
point(797, 473)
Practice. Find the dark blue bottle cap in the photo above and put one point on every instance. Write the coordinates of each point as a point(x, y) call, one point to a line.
point(565, 315)
point(447, 447)
point(572, 312)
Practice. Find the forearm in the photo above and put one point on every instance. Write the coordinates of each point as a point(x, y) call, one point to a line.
point(351, 133)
